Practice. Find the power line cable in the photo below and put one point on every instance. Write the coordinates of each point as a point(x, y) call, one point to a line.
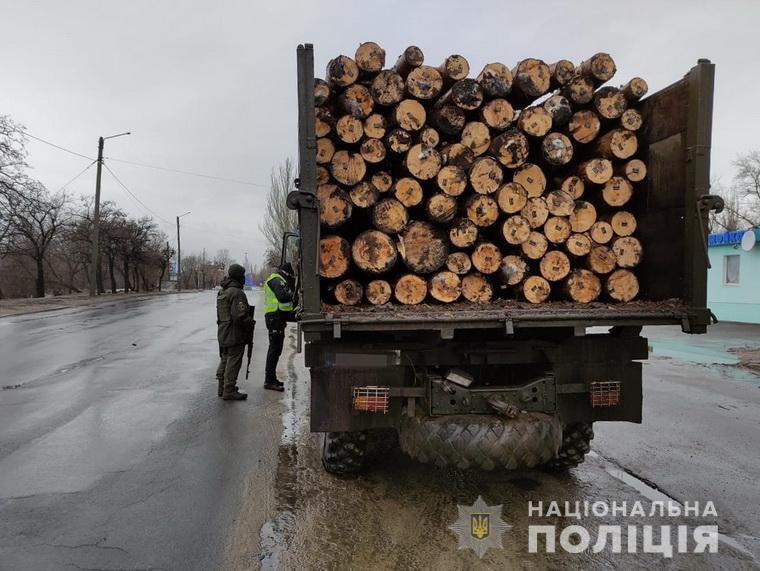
point(41, 140)
point(148, 208)
point(76, 177)
point(190, 173)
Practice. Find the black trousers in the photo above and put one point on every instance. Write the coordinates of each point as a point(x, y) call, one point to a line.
point(276, 328)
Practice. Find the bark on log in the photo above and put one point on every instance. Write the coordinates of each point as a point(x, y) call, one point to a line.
point(399, 141)
point(454, 68)
point(554, 266)
point(511, 197)
point(382, 181)
point(387, 88)
point(496, 80)
point(573, 185)
point(482, 210)
point(452, 180)
point(635, 89)
point(342, 71)
point(583, 286)
point(370, 57)
point(535, 246)
point(557, 149)
point(390, 216)
point(601, 232)
point(622, 285)
point(363, 195)
point(459, 263)
point(423, 162)
point(465, 94)
point(373, 151)
point(477, 137)
point(349, 292)
point(579, 90)
point(441, 208)
point(476, 288)
point(535, 212)
point(628, 251)
point(623, 223)
point(424, 82)
point(578, 245)
point(510, 148)
point(618, 144)
point(408, 191)
point(596, 171)
point(583, 216)
point(515, 230)
point(458, 155)
point(374, 252)
point(375, 126)
point(334, 256)
point(560, 110)
point(357, 101)
point(463, 233)
point(334, 205)
point(486, 258)
point(349, 129)
point(445, 287)
point(485, 175)
point(410, 115)
point(601, 260)
point(378, 292)
point(557, 229)
point(534, 121)
point(610, 102)
point(531, 79)
point(423, 247)
point(347, 168)
point(536, 289)
point(498, 114)
point(410, 289)
point(584, 126)
point(407, 61)
point(325, 150)
point(599, 68)
point(321, 91)
point(323, 122)
point(631, 120)
point(561, 72)
point(560, 203)
point(448, 119)
point(429, 137)
point(634, 170)
point(512, 270)
point(617, 191)
point(323, 175)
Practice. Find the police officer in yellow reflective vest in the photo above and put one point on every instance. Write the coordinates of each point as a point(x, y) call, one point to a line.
point(278, 310)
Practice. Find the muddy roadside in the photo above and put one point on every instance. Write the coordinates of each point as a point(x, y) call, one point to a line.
point(749, 358)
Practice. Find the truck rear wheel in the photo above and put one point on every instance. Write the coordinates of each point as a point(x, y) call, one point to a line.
point(576, 442)
point(482, 441)
point(343, 452)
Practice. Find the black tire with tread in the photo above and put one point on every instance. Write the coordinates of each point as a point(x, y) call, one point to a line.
point(576, 442)
point(344, 452)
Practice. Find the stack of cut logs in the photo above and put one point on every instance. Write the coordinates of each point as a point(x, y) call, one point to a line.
point(516, 183)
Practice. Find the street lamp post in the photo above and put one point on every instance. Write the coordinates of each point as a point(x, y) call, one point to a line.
point(179, 255)
point(95, 252)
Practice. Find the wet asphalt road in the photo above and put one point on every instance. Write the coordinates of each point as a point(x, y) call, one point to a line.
point(115, 454)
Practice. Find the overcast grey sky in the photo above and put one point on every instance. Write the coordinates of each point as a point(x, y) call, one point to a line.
point(210, 86)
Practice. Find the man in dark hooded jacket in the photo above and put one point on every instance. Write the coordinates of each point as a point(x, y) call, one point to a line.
point(234, 329)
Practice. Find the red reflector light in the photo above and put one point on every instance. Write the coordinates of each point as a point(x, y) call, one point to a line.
point(605, 393)
point(370, 399)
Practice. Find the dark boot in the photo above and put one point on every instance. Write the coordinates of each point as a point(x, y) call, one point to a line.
point(220, 387)
point(274, 386)
point(234, 395)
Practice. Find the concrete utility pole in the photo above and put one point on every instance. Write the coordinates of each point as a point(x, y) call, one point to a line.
point(95, 251)
point(179, 255)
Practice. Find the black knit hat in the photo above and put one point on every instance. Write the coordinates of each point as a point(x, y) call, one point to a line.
point(237, 272)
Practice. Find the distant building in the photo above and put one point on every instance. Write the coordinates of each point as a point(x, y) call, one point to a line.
point(733, 282)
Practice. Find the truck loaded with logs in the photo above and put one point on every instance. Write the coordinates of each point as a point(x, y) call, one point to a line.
point(461, 233)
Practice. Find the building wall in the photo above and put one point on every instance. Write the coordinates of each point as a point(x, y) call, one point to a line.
point(731, 302)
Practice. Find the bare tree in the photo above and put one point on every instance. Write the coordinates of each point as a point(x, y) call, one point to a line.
point(747, 186)
point(12, 166)
point(222, 258)
point(278, 218)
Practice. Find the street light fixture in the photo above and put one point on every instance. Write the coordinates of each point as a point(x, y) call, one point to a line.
point(95, 252)
point(179, 254)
